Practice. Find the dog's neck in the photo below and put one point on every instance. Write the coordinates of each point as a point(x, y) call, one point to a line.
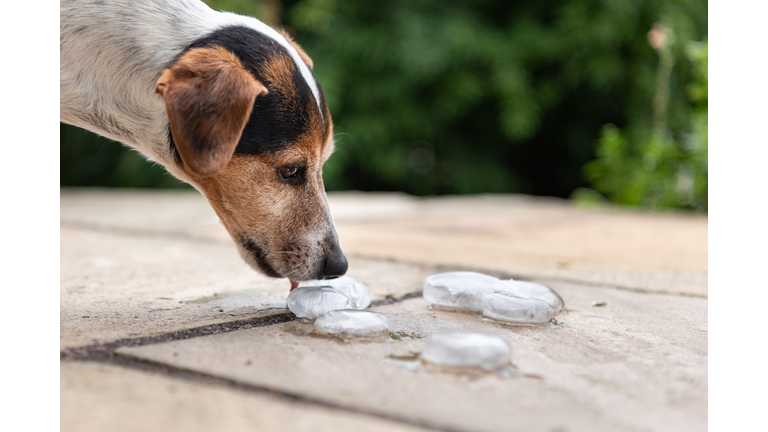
point(109, 70)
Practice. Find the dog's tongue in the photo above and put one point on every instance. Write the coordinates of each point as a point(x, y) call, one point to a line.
point(294, 284)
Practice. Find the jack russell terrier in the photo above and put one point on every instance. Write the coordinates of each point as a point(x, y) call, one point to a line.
point(224, 103)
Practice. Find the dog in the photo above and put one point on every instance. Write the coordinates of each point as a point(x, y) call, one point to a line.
point(221, 101)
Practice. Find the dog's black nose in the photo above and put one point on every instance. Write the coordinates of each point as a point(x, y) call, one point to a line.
point(335, 265)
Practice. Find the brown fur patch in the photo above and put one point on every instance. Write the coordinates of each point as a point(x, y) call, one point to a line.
point(208, 97)
point(289, 223)
point(278, 71)
point(329, 144)
point(298, 48)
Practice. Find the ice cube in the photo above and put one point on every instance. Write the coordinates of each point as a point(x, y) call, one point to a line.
point(506, 306)
point(311, 302)
point(532, 290)
point(459, 290)
point(353, 323)
point(467, 350)
point(352, 288)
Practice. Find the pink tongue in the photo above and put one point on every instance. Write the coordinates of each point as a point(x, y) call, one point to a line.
point(294, 284)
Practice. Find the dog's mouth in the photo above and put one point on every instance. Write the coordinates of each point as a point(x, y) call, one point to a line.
point(259, 257)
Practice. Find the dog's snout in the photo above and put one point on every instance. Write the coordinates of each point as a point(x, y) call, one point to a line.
point(335, 265)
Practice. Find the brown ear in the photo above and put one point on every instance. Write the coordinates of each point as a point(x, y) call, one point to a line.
point(208, 97)
point(301, 52)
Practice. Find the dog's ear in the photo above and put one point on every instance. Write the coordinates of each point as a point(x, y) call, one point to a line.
point(296, 46)
point(208, 97)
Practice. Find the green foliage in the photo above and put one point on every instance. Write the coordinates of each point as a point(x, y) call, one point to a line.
point(440, 97)
point(467, 96)
point(87, 159)
point(659, 168)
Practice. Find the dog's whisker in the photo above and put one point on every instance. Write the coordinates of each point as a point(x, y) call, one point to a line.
point(297, 265)
point(283, 252)
point(294, 270)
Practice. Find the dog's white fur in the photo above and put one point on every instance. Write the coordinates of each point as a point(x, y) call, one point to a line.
point(112, 53)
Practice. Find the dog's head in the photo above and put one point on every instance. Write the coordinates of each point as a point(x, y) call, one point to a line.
point(251, 130)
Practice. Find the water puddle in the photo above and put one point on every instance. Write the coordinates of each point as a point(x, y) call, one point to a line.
point(300, 327)
point(305, 327)
point(204, 300)
point(552, 324)
point(413, 362)
point(238, 299)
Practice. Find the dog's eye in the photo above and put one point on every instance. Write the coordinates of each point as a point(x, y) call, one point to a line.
point(292, 175)
point(286, 172)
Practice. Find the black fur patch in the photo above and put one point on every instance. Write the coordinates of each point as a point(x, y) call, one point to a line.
point(174, 150)
point(260, 258)
point(276, 121)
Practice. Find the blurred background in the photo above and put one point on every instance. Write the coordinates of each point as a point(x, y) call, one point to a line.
point(592, 100)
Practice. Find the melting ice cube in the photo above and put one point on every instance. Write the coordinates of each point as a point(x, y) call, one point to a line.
point(532, 290)
point(311, 302)
point(507, 300)
point(353, 323)
point(460, 290)
point(352, 288)
point(467, 350)
point(506, 306)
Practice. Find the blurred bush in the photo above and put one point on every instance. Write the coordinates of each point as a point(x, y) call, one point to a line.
point(441, 97)
point(87, 159)
point(655, 166)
